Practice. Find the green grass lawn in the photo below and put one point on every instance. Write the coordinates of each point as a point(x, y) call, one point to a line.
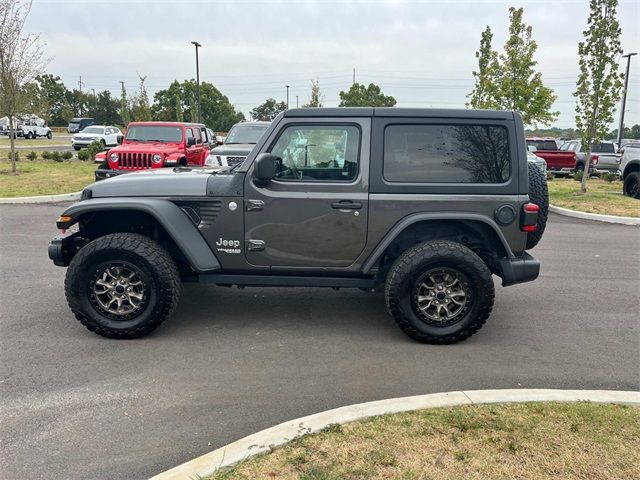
point(36, 142)
point(44, 177)
point(601, 197)
point(542, 441)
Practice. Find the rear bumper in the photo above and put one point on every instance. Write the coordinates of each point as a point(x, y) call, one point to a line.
point(520, 269)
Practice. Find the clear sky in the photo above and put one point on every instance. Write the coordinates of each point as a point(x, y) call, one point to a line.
point(421, 52)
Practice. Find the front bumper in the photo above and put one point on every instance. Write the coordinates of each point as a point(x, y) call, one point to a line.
point(104, 173)
point(520, 269)
point(63, 247)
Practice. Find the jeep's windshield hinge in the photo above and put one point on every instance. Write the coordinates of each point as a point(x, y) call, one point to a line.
point(253, 205)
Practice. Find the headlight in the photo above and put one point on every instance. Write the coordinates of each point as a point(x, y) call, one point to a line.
point(113, 157)
point(211, 161)
point(157, 158)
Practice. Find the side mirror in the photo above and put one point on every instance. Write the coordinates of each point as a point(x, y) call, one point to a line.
point(119, 139)
point(191, 141)
point(532, 148)
point(266, 167)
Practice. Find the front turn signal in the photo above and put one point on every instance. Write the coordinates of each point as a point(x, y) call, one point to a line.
point(64, 219)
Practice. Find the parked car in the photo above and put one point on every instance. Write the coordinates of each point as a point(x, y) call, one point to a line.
point(407, 201)
point(630, 168)
point(608, 159)
point(537, 161)
point(155, 145)
point(562, 162)
point(107, 135)
point(78, 124)
point(33, 126)
point(239, 142)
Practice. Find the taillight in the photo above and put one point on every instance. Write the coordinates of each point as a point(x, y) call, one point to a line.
point(594, 159)
point(529, 217)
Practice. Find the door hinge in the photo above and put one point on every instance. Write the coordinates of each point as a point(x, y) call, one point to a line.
point(255, 245)
point(254, 205)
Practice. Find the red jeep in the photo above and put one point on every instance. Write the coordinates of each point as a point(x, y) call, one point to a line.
point(155, 145)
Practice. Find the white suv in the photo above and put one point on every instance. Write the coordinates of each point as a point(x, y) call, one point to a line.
point(630, 169)
point(106, 135)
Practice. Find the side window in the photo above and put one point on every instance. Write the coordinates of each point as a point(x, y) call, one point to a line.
point(189, 133)
point(326, 153)
point(203, 136)
point(564, 147)
point(446, 154)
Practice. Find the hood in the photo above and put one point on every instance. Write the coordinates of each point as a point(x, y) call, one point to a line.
point(158, 182)
point(148, 147)
point(240, 149)
point(87, 135)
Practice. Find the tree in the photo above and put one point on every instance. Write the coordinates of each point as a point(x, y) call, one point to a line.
point(178, 103)
point(599, 84)
point(21, 60)
point(140, 109)
point(317, 98)
point(125, 116)
point(509, 81)
point(53, 92)
point(360, 96)
point(106, 110)
point(268, 110)
point(486, 78)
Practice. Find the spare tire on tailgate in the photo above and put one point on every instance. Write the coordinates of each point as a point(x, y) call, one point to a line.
point(538, 194)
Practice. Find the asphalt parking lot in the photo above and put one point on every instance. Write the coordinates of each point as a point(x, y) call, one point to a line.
point(230, 362)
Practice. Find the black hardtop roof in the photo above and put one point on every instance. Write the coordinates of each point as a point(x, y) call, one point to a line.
point(398, 112)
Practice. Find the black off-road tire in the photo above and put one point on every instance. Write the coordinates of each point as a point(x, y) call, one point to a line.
point(408, 270)
point(538, 194)
point(49, 135)
point(631, 186)
point(156, 268)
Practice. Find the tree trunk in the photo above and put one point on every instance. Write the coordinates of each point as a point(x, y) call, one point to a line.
point(587, 167)
point(12, 139)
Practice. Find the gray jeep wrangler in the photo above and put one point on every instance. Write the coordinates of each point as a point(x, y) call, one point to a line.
point(423, 204)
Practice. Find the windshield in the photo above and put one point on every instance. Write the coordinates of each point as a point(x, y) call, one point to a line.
point(154, 133)
point(245, 134)
point(73, 125)
point(93, 130)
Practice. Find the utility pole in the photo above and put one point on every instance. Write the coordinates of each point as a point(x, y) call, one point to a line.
point(296, 101)
point(624, 96)
point(354, 75)
point(80, 84)
point(80, 97)
point(197, 45)
point(287, 96)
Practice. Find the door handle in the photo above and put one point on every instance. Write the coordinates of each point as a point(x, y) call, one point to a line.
point(346, 205)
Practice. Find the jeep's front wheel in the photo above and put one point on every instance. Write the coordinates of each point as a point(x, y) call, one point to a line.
point(439, 292)
point(122, 285)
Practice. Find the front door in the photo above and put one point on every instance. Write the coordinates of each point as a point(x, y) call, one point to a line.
point(314, 213)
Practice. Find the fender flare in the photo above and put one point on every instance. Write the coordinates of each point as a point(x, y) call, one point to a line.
point(175, 222)
point(409, 220)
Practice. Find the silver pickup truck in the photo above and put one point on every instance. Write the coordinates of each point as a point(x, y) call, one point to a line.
point(608, 159)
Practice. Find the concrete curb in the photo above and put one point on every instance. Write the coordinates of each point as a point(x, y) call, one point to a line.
point(64, 197)
point(280, 434)
point(594, 216)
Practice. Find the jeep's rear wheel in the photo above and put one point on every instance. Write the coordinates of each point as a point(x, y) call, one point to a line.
point(439, 292)
point(538, 194)
point(122, 285)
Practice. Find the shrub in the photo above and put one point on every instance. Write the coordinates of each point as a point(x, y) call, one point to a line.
point(45, 155)
point(56, 157)
point(609, 177)
point(9, 156)
point(577, 176)
point(94, 148)
point(83, 155)
point(550, 176)
point(67, 155)
point(32, 156)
